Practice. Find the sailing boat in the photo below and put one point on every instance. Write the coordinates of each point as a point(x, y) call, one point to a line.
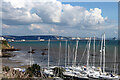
point(49, 70)
point(59, 54)
point(66, 54)
point(94, 53)
point(75, 71)
point(102, 74)
point(31, 57)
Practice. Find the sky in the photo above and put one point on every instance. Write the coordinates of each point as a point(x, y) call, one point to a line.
point(51, 17)
point(89, 0)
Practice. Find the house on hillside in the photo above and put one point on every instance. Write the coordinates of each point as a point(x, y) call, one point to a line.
point(2, 38)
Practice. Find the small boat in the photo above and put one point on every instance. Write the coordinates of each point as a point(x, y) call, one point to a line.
point(43, 53)
point(48, 72)
point(108, 76)
point(44, 49)
point(32, 51)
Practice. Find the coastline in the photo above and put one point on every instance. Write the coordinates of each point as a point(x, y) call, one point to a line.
point(10, 63)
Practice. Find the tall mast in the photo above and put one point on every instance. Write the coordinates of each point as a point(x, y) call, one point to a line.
point(65, 53)
point(68, 54)
point(76, 53)
point(30, 56)
point(88, 52)
point(115, 61)
point(73, 57)
point(94, 52)
point(101, 52)
point(48, 52)
point(104, 55)
point(59, 54)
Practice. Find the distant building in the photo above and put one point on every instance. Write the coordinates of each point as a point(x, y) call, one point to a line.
point(11, 40)
point(87, 38)
point(73, 38)
point(2, 38)
point(58, 38)
point(42, 40)
point(23, 40)
point(61, 38)
point(78, 38)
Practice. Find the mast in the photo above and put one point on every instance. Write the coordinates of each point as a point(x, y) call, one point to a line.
point(73, 58)
point(68, 54)
point(48, 52)
point(30, 57)
point(115, 61)
point(76, 53)
point(65, 53)
point(94, 52)
point(101, 52)
point(104, 55)
point(59, 54)
point(88, 52)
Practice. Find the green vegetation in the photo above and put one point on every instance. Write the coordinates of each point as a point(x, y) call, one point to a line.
point(34, 70)
point(6, 68)
point(4, 44)
point(59, 72)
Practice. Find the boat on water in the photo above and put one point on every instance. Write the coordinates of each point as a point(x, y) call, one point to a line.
point(88, 71)
point(83, 72)
point(102, 74)
point(75, 71)
point(49, 70)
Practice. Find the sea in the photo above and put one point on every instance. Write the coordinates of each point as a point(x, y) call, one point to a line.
point(57, 53)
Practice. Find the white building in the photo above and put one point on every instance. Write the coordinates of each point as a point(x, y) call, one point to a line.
point(23, 40)
point(40, 39)
point(73, 38)
point(2, 38)
point(78, 38)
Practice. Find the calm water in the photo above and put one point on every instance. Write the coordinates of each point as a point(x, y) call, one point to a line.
point(24, 56)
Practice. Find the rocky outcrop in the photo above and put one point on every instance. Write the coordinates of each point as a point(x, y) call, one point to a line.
point(5, 48)
point(5, 45)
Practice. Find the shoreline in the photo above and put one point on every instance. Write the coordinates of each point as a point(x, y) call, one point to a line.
point(10, 63)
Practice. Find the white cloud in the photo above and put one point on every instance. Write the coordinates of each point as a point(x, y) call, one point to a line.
point(52, 16)
point(45, 28)
point(24, 3)
point(5, 26)
point(53, 12)
point(80, 16)
point(49, 11)
point(65, 14)
point(18, 15)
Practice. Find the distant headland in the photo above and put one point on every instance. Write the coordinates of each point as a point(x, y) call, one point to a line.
point(12, 38)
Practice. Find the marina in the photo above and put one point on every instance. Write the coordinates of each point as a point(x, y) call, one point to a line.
point(88, 69)
point(59, 40)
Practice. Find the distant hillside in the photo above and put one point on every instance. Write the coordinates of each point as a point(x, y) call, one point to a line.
point(46, 37)
point(34, 37)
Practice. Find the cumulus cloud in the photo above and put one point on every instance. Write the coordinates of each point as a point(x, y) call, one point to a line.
point(52, 12)
point(80, 16)
point(51, 16)
point(11, 15)
point(49, 11)
point(5, 26)
point(44, 28)
point(65, 14)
